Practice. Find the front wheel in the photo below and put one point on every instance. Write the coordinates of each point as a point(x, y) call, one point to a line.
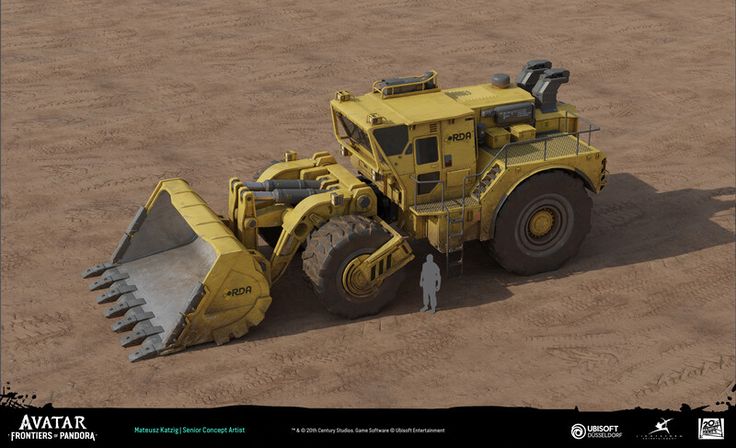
point(542, 224)
point(333, 251)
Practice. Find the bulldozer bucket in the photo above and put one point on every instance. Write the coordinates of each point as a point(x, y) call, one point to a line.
point(179, 277)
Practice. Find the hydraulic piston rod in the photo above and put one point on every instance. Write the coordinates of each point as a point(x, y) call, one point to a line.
point(288, 184)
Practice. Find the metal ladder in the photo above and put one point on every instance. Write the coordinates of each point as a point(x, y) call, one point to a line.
point(454, 252)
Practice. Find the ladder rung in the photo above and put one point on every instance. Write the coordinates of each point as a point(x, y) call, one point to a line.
point(455, 234)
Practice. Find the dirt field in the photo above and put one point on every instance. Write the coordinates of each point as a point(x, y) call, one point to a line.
point(100, 99)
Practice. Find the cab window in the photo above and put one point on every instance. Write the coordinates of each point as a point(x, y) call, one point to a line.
point(392, 139)
point(426, 150)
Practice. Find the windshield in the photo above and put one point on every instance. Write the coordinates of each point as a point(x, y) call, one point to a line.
point(353, 132)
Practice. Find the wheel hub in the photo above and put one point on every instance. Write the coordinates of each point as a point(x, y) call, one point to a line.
point(355, 282)
point(541, 223)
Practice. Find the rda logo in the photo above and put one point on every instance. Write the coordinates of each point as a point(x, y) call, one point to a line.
point(578, 431)
point(710, 428)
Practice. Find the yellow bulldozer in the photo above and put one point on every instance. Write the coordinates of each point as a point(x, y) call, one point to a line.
point(505, 164)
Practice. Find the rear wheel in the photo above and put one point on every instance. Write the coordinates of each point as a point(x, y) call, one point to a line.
point(542, 224)
point(332, 254)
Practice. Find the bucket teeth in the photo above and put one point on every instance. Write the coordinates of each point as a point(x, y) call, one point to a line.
point(97, 270)
point(150, 348)
point(141, 331)
point(115, 292)
point(131, 317)
point(123, 304)
point(111, 277)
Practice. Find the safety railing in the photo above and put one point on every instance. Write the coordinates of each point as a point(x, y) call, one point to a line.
point(439, 180)
point(542, 148)
point(548, 146)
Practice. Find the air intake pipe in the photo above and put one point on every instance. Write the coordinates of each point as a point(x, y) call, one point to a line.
point(530, 73)
point(545, 90)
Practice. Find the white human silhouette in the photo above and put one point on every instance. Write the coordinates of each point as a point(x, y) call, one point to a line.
point(430, 282)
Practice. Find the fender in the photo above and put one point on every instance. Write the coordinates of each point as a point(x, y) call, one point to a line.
point(575, 172)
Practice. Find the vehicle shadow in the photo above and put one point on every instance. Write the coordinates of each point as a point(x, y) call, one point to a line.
point(631, 223)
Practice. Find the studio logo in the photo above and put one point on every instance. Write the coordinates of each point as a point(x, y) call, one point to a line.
point(579, 431)
point(661, 431)
point(662, 426)
point(710, 428)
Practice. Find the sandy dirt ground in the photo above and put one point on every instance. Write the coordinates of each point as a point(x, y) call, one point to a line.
point(100, 99)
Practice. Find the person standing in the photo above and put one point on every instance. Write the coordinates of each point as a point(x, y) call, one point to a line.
point(430, 283)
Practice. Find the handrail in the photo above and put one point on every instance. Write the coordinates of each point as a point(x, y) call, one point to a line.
point(421, 80)
point(431, 181)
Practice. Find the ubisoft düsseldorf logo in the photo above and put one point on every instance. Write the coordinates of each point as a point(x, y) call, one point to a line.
point(577, 431)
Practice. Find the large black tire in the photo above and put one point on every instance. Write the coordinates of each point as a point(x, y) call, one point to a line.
point(542, 224)
point(330, 249)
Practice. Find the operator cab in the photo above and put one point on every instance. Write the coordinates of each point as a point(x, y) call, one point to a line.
point(412, 140)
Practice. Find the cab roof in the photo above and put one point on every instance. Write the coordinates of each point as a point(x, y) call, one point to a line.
point(430, 106)
point(409, 109)
point(488, 95)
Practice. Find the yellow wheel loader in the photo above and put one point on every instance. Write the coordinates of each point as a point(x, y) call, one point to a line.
point(503, 163)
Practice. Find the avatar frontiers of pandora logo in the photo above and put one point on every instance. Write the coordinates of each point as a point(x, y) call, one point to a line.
point(45, 427)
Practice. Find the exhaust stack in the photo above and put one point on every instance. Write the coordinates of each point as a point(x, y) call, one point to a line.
point(545, 90)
